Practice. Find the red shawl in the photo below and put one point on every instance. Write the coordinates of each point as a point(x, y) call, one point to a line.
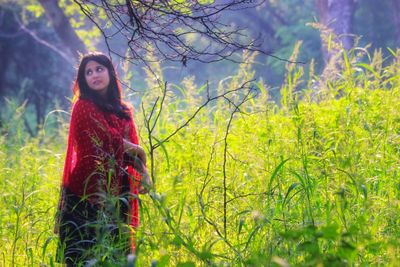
point(95, 146)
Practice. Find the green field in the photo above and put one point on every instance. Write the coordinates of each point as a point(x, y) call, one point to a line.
point(309, 180)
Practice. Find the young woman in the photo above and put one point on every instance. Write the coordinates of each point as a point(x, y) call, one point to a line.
point(104, 168)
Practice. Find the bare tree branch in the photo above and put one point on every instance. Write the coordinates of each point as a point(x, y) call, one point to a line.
point(209, 99)
point(225, 189)
point(179, 31)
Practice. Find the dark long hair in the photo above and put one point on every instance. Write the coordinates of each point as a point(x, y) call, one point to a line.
point(113, 101)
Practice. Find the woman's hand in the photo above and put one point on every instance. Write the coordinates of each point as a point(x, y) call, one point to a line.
point(135, 150)
point(139, 163)
point(145, 183)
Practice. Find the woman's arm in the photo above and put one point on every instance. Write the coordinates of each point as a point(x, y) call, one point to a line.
point(134, 150)
point(138, 156)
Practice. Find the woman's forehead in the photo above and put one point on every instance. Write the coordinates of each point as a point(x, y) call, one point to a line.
point(93, 64)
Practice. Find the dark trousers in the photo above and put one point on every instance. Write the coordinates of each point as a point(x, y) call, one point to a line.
point(85, 230)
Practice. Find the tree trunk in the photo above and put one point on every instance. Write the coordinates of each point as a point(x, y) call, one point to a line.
point(396, 17)
point(252, 17)
point(63, 27)
point(337, 16)
point(5, 56)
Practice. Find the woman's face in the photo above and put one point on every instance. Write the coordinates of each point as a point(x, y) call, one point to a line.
point(97, 77)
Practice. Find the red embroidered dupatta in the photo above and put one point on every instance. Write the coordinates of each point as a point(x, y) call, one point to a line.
point(95, 145)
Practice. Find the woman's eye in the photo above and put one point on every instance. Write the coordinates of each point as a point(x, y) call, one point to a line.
point(89, 72)
point(99, 69)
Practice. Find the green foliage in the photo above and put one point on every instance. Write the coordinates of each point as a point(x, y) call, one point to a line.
point(36, 10)
point(29, 178)
point(313, 181)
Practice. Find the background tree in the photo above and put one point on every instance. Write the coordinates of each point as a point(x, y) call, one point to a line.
point(63, 28)
point(396, 17)
point(337, 17)
point(375, 22)
point(27, 41)
point(31, 71)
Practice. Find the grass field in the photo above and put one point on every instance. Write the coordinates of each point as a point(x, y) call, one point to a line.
point(310, 181)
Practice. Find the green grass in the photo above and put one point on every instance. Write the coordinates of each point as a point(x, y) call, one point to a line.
point(311, 181)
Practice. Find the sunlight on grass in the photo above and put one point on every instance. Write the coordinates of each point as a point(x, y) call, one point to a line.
point(313, 180)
